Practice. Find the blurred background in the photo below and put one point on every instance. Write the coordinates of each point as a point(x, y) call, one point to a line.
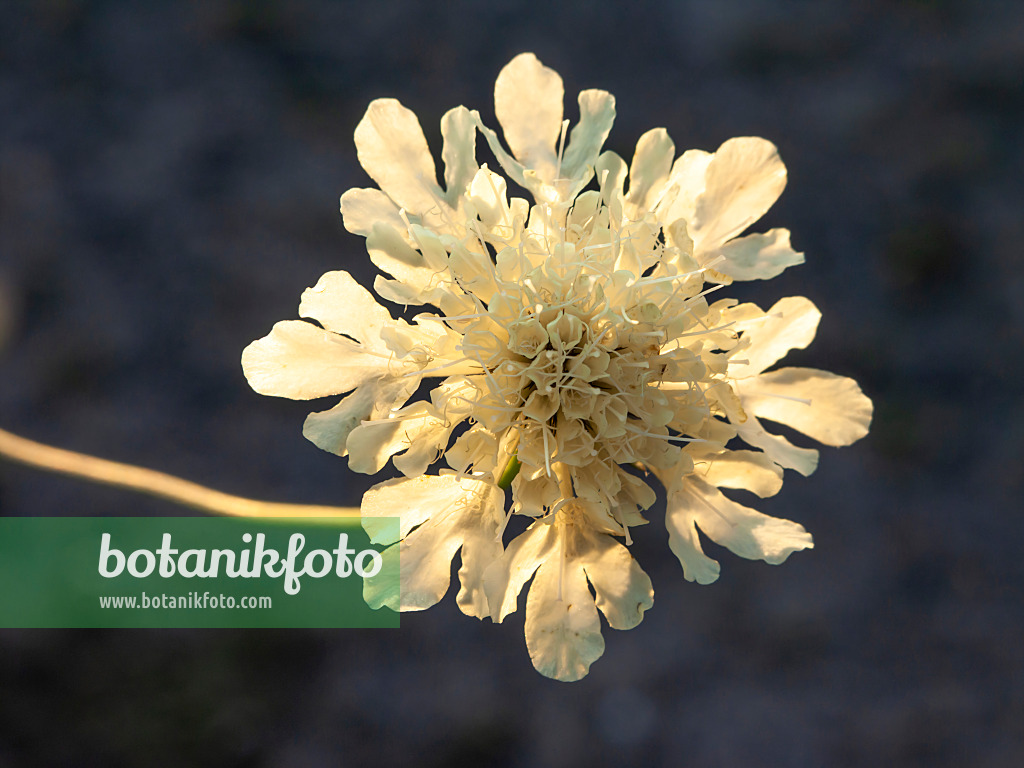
point(169, 183)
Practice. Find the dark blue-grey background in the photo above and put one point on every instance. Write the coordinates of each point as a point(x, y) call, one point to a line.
point(169, 177)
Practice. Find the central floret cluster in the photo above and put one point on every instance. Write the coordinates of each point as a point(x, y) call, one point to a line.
point(579, 359)
point(574, 371)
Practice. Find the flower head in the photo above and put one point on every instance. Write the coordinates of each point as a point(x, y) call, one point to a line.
point(579, 356)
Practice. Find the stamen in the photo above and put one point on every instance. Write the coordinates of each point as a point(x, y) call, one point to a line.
point(439, 368)
point(680, 276)
point(561, 148)
point(669, 438)
point(463, 317)
point(547, 450)
point(707, 330)
point(714, 509)
point(805, 401)
point(504, 523)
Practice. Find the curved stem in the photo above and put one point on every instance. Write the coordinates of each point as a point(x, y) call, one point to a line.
point(154, 483)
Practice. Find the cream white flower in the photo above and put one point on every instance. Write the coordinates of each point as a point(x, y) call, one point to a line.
point(578, 358)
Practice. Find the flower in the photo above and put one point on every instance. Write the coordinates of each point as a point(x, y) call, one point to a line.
point(579, 359)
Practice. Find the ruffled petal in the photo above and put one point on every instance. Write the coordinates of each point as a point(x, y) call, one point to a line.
point(742, 530)
point(412, 500)
point(473, 271)
point(419, 429)
point(611, 173)
point(392, 149)
point(328, 430)
point(481, 547)
point(748, 470)
point(453, 512)
point(516, 171)
point(426, 557)
point(504, 579)
point(778, 448)
point(832, 409)
point(683, 539)
point(426, 335)
point(385, 591)
point(528, 104)
point(790, 324)
point(487, 192)
point(390, 251)
point(749, 429)
point(742, 181)
point(757, 257)
point(563, 631)
point(623, 590)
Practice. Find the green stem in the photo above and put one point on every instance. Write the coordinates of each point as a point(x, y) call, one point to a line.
point(509, 473)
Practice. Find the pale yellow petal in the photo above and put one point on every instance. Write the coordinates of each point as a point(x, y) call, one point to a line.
point(437, 516)
point(683, 539)
point(516, 171)
point(426, 557)
point(832, 409)
point(749, 470)
point(790, 324)
point(686, 182)
point(375, 399)
point(389, 248)
point(468, 513)
point(411, 499)
point(490, 201)
point(361, 209)
point(504, 579)
point(563, 630)
point(481, 547)
point(392, 149)
point(428, 336)
point(597, 113)
point(342, 305)
point(622, 588)
point(650, 168)
point(418, 429)
point(742, 530)
point(749, 429)
point(743, 180)
point(329, 429)
point(458, 152)
point(385, 590)
point(778, 448)
point(301, 361)
point(528, 104)
point(611, 172)
point(757, 257)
